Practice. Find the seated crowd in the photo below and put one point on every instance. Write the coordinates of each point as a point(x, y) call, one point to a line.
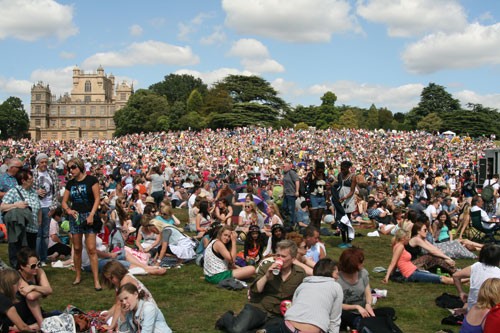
point(246, 222)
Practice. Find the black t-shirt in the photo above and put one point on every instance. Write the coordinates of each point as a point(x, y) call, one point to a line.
point(5, 305)
point(81, 195)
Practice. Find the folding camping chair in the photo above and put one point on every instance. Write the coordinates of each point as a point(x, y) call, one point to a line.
point(478, 232)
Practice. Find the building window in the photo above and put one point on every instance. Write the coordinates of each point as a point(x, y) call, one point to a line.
point(123, 96)
point(53, 111)
point(103, 110)
point(63, 122)
point(92, 110)
point(72, 110)
point(63, 135)
point(87, 99)
point(84, 135)
point(54, 135)
point(92, 123)
point(53, 123)
point(62, 111)
point(102, 123)
point(83, 110)
point(112, 109)
point(111, 123)
point(88, 86)
point(73, 122)
point(38, 97)
point(38, 109)
point(38, 122)
point(83, 123)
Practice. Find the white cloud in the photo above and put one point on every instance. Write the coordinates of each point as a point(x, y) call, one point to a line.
point(487, 100)
point(292, 20)
point(144, 53)
point(67, 55)
point(397, 99)
point(213, 76)
point(135, 30)
point(31, 20)
point(59, 79)
point(406, 18)
point(477, 46)
point(186, 29)
point(248, 48)
point(217, 37)
point(284, 87)
point(157, 22)
point(11, 86)
point(262, 65)
point(255, 56)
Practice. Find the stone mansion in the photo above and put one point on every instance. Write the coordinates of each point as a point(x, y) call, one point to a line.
point(87, 113)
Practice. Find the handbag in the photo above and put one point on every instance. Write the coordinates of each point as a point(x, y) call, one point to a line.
point(379, 324)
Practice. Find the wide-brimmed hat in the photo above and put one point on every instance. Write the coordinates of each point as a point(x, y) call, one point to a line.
point(150, 200)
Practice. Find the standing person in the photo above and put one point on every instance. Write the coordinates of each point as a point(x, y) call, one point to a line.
point(291, 185)
point(83, 192)
point(267, 292)
point(46, 184)
point(468, 187)
point(316, 189)
point(141, 315)
point(158, 184)
point(347, 186)
point(15, 202)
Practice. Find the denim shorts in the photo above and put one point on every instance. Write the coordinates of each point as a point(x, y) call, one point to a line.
point(318, 201)
point(424, 276)
point(81, 226)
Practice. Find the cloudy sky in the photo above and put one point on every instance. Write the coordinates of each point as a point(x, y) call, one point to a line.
point(367, 51)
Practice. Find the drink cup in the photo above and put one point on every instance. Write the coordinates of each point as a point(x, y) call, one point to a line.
point(277, 268)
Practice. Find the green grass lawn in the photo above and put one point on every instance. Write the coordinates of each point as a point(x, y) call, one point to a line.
point(192, 305)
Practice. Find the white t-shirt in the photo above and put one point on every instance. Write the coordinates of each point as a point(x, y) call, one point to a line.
point(478, 274)
point(46, 183)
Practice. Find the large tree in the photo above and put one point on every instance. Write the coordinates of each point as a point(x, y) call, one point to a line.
point(476, 121)
point(255, 101)
point(433, 99)
point(14, 121)
point(178, 87)
point(141, 113)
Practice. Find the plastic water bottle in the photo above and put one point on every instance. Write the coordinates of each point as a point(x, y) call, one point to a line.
point(438, 271)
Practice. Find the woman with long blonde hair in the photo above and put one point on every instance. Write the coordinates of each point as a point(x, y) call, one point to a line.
point(464, 219)
point(488, 297)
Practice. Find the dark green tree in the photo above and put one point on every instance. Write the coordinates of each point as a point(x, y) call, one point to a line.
point(305, 114)
point(143, 109)
point(372, 120)
point(328, 98)
point(385, 118)
point(14, 121)
point(430, 123)
point(477, 121)
point(433, 99)
point(194, 102)
point(178, 87)
point(217, 100)
point(348, 120)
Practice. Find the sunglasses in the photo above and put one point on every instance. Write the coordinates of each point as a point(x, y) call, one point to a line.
point(248, 206)
point(72, 167)
point(35, 266)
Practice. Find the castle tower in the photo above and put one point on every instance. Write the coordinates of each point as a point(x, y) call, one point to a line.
point(40, 105)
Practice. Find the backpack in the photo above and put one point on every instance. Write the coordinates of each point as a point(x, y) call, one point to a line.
point(448, 301)
point(488, 193)
point(379, 324)
point(63, 323)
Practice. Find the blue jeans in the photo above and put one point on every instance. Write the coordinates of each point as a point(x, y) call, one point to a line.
point(424, 276)
point(249, 318)
point(289, 207)
point(42, 238)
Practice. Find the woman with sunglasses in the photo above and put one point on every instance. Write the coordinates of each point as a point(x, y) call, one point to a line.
point(33, 285)
point(22, 197)
point(84, 193)
point(12, 311)
point(248, 216)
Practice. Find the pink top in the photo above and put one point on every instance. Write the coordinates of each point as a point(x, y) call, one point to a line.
point(405, 266)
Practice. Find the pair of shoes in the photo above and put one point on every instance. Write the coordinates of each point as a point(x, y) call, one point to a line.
point(373, 234)
point(345, 245)
point(43, 264)
point(98, 289)
point(75, 283)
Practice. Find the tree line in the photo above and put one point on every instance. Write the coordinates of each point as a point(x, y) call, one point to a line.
point(181, 102)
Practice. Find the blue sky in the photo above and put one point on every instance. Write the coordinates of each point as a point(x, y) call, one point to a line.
point(368, 51)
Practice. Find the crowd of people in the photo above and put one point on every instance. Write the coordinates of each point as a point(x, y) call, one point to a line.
point(271, 192)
